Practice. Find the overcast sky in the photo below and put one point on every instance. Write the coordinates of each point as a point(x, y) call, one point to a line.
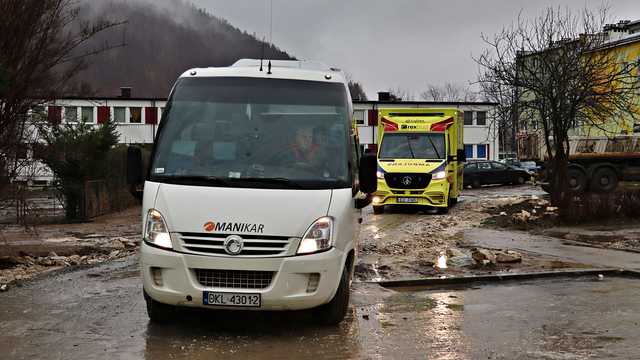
point(388, 44)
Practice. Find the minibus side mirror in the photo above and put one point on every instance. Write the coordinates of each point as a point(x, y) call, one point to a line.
point(368, 168)
point(134, 171)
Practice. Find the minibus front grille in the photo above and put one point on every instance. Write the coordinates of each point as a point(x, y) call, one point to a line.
point(253, 245)
point(407, 180)
point(234, 279)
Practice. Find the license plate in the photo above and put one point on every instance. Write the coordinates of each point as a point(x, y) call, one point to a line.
point(407, 200)
point(231, 299)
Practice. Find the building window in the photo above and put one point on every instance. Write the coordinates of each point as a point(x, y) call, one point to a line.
point(481, 118)
point(161, 113)
point(468, 117)
point(135, 116)
point(468, 151)
point(481, 150)
point(358, 116)
point(70, 114)
point(87, 114)
point(119, 115)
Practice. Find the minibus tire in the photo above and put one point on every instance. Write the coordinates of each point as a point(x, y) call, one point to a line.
point(333, 312)
point(158, 312)
point(443, 210)
point(378, 210)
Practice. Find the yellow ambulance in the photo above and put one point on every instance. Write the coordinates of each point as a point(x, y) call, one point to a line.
point(420, 158)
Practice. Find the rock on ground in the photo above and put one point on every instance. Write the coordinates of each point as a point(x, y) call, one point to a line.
point(508, 256)
point(483, 256)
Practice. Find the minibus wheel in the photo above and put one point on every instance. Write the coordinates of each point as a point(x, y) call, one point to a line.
point(159, 313)
point(333, 312)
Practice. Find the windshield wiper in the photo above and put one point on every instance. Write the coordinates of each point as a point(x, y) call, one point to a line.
point(194, 178)
point(277, 181)
point(434, 147)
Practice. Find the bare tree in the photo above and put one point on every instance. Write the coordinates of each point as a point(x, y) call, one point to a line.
point(400, 94)
point(504, 115)
point(565, 77)
point(42, 47)
point(448, 92)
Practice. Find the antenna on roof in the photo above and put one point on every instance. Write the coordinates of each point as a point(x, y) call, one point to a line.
point(262, 55)
point(270, 35)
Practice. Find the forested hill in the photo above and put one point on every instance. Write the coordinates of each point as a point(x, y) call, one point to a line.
point(162, 39)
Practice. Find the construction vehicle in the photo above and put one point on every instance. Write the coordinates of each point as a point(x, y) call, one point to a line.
point(596, 163)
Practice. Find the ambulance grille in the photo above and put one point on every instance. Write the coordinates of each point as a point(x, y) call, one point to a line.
point(407, 180)
point(234, 279)
point(253, 245)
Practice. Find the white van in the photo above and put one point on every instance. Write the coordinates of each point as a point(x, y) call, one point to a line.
point(253, 195)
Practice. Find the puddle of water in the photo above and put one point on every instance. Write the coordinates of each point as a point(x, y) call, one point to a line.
point(378, 277)
point(441, 263)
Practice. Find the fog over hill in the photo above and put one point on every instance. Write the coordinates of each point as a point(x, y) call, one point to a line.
point(162, 39)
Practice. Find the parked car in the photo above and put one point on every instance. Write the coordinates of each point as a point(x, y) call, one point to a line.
point(529, 166)
point(480, 173)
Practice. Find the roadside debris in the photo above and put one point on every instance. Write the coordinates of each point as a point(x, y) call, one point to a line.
point(483, 256)
point(25, 266)
point(508, 257)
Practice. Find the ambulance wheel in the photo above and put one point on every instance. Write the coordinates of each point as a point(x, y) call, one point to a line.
point(333, 312)
point(378, 209)
point(159, 313)
point(443, 210)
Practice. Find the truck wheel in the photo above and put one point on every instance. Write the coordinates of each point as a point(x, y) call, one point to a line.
point(476, 184)
point(604, 180)
point(378, 209)
point(159, 313)
point(577, 180)
point(333, 312)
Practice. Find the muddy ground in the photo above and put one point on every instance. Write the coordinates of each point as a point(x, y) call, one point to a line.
point(28, 251)
point(99, 313)
point(406, 243)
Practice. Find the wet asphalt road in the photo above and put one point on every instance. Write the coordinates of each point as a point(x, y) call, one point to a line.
point(98, 313)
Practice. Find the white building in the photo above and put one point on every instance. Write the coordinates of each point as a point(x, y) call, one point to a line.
point(480, 135)
point(137, 119)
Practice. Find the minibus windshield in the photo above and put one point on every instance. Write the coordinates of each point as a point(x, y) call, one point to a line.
point(254, 132)
point(413, 146)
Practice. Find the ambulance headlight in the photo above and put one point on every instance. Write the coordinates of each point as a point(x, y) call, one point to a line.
point(156, 231)
point(318, 237)
point(380, 174)
point(439, 175)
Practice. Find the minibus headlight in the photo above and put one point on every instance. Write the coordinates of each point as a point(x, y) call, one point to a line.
point(317, 237)
point(156, 231)
point(439, 175)
point(380, 174)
